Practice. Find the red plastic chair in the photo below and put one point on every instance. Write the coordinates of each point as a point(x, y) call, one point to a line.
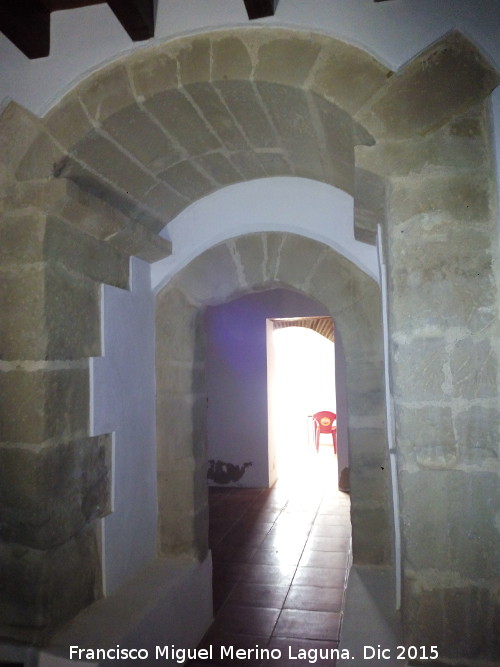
point(325, 422)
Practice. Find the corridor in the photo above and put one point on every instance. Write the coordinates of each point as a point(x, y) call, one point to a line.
point(280, 560)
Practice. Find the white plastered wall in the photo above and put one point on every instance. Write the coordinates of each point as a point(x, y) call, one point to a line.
point(123, 403)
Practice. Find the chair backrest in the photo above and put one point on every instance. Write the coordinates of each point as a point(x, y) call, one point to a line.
point(325, 421)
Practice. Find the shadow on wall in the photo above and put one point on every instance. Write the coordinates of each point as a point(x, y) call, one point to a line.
point(221, 472)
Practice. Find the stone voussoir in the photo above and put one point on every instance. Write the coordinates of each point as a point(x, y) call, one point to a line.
point(347, 76)
point(286, 59)
point(106, 92)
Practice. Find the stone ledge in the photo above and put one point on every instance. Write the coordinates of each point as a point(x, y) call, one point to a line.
point(170, 602)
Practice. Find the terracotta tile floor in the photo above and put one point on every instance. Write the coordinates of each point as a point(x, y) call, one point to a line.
point(280, 560)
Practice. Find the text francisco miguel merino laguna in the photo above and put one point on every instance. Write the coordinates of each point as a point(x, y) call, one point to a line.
point(181, 655)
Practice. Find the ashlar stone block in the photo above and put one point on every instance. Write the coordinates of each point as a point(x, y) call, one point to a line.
point(448, 522)
point(366, 392)
point(444, 302)
point(465, 198)
point(40, 158)
point(369, 205)
point(179, 426)
point(347, 76)
point(72, 314)
point(286, 60)
point(333, 283)
point(183, 513)
point(134, 129)
point(440, 286)
point(140, 242)
point(80, 252)
point(478, 435)
point(337, 136)
point(17, 122)
point(22, 325)
point(248, 164)
point(67, 122)
point(219, 168)
point(470, 622)
point(275, 163)
point(370, 482)
point(273, 246)
point(187, 180)
point(17, 195)
point(371, 535)
point(165, 203)
point(231, 59)
point(181, 119)
point(71, 311)
point(289, 109)
point(212, 278)
point(106, 93)
point(250, 249)
point(175, 376)
point(426, 436)
point(360, 322)
point(194, 60)
point(423, 613)
point(153, 71)
point(41, 589)
point(21, 238)
point(217, 115)
point(83, 210)
point(49, 494)
point(448, 78)
point(474, 368)
point(177, 328)
point(245, 106)
point(449, 147)
point(113, 165)
point(418, 369)
point(368, 450)
point(298, 259)
point(176, 530)
point(43, 404)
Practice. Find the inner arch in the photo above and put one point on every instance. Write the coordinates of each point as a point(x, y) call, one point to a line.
point(235, 267)
point(297, 205)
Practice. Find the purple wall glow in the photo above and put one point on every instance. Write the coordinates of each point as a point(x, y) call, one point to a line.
point(237, 378)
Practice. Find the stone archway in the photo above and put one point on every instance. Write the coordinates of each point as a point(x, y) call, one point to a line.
point(94, 182)
point(238, 266)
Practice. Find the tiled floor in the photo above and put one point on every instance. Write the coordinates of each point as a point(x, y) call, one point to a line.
point(280, 559)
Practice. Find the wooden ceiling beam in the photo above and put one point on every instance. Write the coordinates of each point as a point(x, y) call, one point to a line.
point(27, 24)
point(136, 16)
point(258, 9)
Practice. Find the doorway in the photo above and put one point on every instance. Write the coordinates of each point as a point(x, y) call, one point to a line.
point(239, 449)
point(301, 382)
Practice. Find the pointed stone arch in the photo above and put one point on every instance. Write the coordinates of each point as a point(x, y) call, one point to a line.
point(253, 263)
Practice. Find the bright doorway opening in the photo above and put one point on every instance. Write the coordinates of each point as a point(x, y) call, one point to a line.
point(301, 382)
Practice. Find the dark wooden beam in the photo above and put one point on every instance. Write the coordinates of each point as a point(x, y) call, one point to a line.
point(258, 9)
point(27, 24)
point(58, 5)
point(136, 16)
